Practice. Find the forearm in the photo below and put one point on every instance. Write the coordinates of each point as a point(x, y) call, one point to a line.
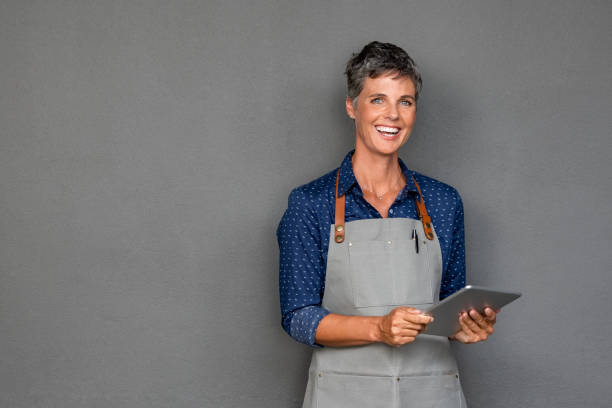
point(337, 330)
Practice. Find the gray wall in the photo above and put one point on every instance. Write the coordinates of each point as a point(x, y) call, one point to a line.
point(147, 149)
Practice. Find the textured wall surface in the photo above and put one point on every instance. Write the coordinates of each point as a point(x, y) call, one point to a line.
point(147, 150)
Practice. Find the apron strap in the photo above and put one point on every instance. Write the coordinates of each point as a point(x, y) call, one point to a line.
point(339, 220)
point(422, 210)
point(339, 213)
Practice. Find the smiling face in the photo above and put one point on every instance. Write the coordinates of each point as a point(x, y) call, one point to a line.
point(384, 114)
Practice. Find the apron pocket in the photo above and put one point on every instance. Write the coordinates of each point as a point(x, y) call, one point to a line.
point(439, 391)
point(371, 273)
point(353, 391)
point(413, 274)
point(388, 273)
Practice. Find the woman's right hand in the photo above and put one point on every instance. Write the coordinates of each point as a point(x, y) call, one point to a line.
point(402, 325)
point(399, 327)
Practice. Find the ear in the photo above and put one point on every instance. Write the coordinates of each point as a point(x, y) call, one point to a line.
point(350, 110)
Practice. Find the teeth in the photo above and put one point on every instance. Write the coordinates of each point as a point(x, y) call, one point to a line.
point(387, 129)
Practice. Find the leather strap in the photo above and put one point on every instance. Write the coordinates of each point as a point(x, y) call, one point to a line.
point(422, 210)
point(339, 213)
point(339, 218)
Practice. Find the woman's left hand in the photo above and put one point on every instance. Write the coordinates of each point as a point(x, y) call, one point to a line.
point(474, 326)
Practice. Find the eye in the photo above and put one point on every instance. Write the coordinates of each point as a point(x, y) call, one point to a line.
point(377, 100)
point(406, 102)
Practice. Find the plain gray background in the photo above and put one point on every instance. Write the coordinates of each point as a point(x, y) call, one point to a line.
point(147, 150)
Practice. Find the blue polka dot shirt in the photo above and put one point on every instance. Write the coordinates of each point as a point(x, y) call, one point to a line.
point(303, 238)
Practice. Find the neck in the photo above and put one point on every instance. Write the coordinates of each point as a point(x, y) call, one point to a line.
point(377, 173)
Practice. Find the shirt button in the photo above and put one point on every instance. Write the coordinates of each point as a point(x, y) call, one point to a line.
point(389, 242)
point(391, 211)
point(350, 244)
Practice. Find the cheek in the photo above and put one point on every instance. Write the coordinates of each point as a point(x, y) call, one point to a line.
point(409, 124)
point(410, 121)
point(364, 123)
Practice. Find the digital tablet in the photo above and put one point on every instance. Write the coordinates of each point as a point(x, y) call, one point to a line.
point(446, 313)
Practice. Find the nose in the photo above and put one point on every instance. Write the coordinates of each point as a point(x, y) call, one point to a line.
point(392, 113)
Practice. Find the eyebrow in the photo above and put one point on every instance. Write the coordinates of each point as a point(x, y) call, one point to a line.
point(381, 94)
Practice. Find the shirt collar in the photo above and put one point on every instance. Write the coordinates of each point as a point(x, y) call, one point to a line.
point(348, 180)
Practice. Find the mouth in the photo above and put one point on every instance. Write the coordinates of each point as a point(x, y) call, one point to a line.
point(388, 132)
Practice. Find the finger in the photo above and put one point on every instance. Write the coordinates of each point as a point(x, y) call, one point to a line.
point(403, 338)
point(410, 336)
point(466, 334)
point(471, 324)
point(480, 321)
point(408, 333)
point(464, 327)
point(403, 341)
point(418, 318)
point(402, 312)
point(406, 330)
point(482, 329)
point(461, 337)
point(412, 326)
point(490, 314)
point(403, 318)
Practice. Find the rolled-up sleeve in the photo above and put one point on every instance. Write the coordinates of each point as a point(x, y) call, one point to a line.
point(453, 277)
point(302, 269)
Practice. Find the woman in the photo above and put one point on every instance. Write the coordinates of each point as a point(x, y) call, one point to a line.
point(365, 247)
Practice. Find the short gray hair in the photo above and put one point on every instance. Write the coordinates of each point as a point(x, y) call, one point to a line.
point(376, 59)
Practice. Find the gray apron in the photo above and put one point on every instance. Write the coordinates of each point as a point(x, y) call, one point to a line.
point(375, 269)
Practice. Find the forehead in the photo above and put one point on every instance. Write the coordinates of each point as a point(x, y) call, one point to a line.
point(389, 84)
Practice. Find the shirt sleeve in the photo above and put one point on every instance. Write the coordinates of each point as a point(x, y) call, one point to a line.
point(302, 269)
point(453, 277)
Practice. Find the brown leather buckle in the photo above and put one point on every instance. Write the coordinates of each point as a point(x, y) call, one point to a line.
point(422, 210)
point(339, 216)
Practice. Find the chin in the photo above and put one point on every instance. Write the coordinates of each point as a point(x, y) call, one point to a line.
point(388, 148)
point(386, 151)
